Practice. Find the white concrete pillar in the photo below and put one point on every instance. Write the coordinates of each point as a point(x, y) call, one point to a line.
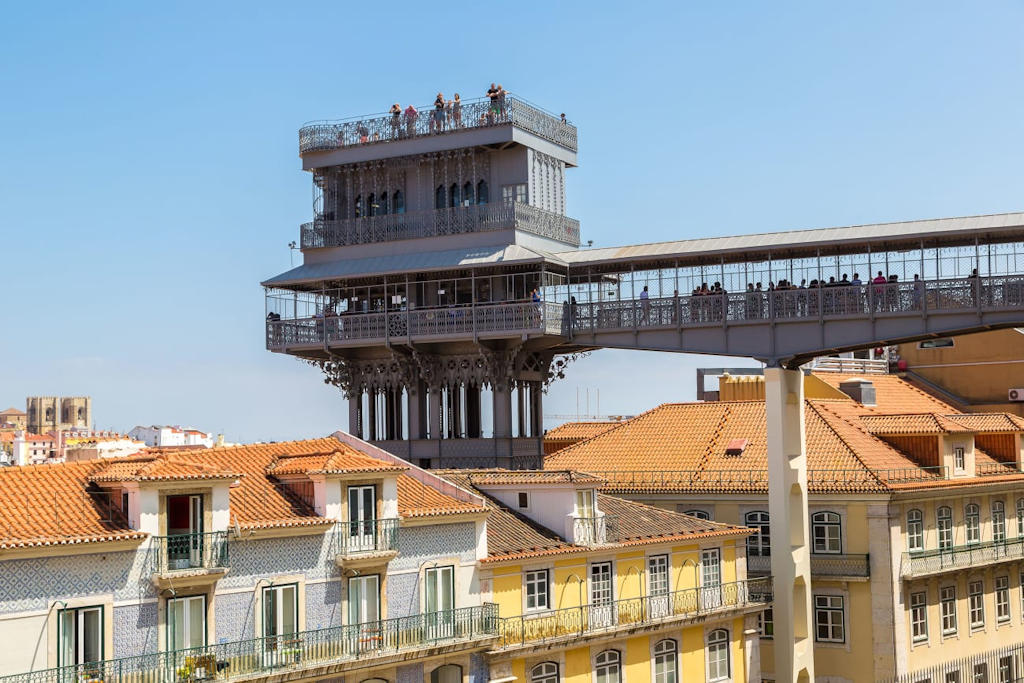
point(787, 507)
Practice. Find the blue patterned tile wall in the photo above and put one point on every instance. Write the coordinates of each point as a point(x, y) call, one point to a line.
point(412, 673)
point(135, 630)
point(252, 560)
point(403, 595)
point(418, 544)
point(323, 605)
point(236, 619)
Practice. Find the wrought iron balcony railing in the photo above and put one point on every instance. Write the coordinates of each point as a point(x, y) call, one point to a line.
point(366, 536)
point(434, 222)
point(1005, 665)
point(595, 530)
point(323, 136)
point(939, 560)
point(183, 552)
point(573, 622)
point(322, 649)
point(821, 565)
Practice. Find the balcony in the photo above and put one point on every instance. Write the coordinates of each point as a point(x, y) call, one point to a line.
point(322, 136)
point(325, 651)
point(842, 567)
point(364, 543)
point(456, 220)
point(452, 322)
point(595, 530)
point(634, 614)
point(930, 562)
point(189, 558)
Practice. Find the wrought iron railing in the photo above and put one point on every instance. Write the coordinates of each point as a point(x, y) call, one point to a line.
point(1005, 665)
point(938, 560)
point(595, 530)
point(434, 222)
point(292, 652)
point(365, 536)
point(190, 551)
point(994, 469)
point(479, 113)
point(821, 565)
point(573, 622)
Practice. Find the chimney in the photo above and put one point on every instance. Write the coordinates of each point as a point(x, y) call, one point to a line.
point(860, 390)
point(220, 439)
point(20, 454)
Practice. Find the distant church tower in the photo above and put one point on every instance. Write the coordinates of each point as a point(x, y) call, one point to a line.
point(52, 413)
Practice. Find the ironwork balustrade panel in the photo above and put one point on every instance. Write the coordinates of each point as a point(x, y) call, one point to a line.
point(364, 536)
point(919, 563)
point(190, 551)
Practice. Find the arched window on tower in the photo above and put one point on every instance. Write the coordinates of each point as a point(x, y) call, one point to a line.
point(454, 196)
point(439, 197)
point(383, 201)
point(372, 201)
point(399, 202)
point(467, 193)
point(359, 207)
point(481, 192)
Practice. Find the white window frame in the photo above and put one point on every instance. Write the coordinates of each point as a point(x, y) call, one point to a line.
point(766, 624)
point(976, 604)
point(758, 544)
point(959, 459)
point(608, 666)
point(1020, 518)
point(915, 530)
point(830, 612)
point(831, 525)
point(944, 525)
point(919, 617)
point(972, 523)
point(718, 655)
point(544, 672)
point(1002, 599)
point(79, 620)
point(699, 514)
point(665, 661)
point(947, 608)
point(276, 594)
point(537, 585)
point(185, 601)
point(998, 521)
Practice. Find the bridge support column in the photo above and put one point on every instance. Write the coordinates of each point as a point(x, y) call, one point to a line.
point(355, 415)
point(787, 508)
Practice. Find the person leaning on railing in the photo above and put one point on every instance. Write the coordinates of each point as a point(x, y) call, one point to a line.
point(396, 119)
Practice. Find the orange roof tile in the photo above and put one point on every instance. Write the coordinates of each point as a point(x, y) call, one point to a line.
point(497, 477)
point(163, 468)
point(907, 423)
point(342, 459)
point(893, 394)
point(989, 422)
point(11, 411)
point(416, 499)
point(578, 430)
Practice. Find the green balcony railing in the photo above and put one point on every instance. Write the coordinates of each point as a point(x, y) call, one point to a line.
point(292, 652)
point(576, 621)
point(366, 536)
point(190, 551)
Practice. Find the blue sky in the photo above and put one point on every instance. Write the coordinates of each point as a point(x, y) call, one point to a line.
point(149, 176)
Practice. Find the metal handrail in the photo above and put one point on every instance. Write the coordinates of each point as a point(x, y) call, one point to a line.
point(364, 536)
point(821, 564)
point(571, 622)
point(961, 556)
point(295, 651)
point(478, 113)
point(182, 552)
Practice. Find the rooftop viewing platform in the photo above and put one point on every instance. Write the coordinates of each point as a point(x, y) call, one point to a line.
point(424, 121)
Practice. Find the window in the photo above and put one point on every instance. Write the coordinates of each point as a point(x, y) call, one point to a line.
point(514, 193)
point(759, 543)
point(1020, 518)
point(998, 521)
point(537, 590)
point(398, 199)
point(827, 534)
point(953, 677)
point(766, 624)
point(942, 343)
point(959, 461)
point(438, 197)
point(585, 503)
point(658, 586)
point(972, 522)
point(980, 673)
point(944, 517)
point(665, 668)
point(372, 202)
point(364, 599)
point(699, 514)
point(919, 617)
point(915, 530)
point(481, 192)
point(186, 622)
point(947, 599)
point(718, 655)
point(976, 603)
point(359, 207)
point(454, 195)
point(280, 611)
point(448, 673)
point(440, 588)
point(608, 667)
point(524, 499)
point(81, 636)
point(710, 577)
point(545, 672)
point(1006, 670)
point(467, 193)
point(828, 619)
point(1002, 598)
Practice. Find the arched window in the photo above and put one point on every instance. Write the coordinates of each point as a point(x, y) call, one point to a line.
point(81, 413)
point(699, 514)
point(359, 207)
point(383, 204)
point(439, 197)
point(759, 543)
point(467, 193)
point(665, 667)
point(372, 201)
point(915, 530)
point(481, 192)
point(447, 673)
point(399, 202)
point(718, 655)
point(49, 414)
point(972, 523)
point(545, 672)
point(998, 521)
point(944, 523)
point(608, 667)
point(826, 532)
point(454, 196)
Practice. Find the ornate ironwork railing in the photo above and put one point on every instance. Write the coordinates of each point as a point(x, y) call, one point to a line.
point(323, 136)
point(924, 562)
point(821, 565)
point(455, 220)
point(573, 622)
point(994, 469)
point(364, 536)
point(595, 530)
point(1005, 664)
point(190, 551)
point(283, 653)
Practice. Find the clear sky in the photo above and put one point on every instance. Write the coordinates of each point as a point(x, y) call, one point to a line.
point(149, 176)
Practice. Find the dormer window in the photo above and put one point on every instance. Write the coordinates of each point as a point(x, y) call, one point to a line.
point(585, 503)
point(959, 461)
point(524, 500)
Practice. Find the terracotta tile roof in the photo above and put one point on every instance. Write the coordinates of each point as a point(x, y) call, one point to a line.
point(989, 422)
point(893, 394)
point(341, 460)
point(53, 505)
point(500, 477)
point(576, 431)
point(11, 411)
point(512, 536)
point(158, 468)
point(416, 499)
point(920, 423)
